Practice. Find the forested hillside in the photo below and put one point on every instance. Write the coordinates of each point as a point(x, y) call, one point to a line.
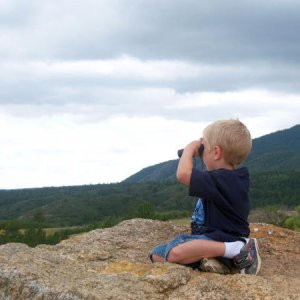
point(279, 151)
point(274, 165)
point(77, 205)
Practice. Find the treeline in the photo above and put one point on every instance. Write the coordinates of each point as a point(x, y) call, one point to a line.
point(275, 188)
point(15, 231)
point(89, 204)
point(79, 205)
point(35, 232)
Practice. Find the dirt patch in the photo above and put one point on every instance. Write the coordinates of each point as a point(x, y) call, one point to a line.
point(280, 254)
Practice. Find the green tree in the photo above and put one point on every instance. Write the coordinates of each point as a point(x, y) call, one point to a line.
point(34, 236)
point(146, 210)
point(292, 223)
point(39, 216)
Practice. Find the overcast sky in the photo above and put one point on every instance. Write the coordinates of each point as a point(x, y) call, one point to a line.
point(93, 91)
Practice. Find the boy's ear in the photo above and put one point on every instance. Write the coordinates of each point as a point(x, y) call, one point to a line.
point(218, 152)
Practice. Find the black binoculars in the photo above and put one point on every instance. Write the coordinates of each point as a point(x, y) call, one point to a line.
point(200, 151)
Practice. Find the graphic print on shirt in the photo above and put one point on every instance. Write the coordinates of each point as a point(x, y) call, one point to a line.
point(198, 214)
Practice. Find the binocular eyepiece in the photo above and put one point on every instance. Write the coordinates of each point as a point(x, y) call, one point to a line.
point(200, 151)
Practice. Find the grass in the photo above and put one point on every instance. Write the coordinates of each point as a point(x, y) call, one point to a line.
point(183, 221)
point(50, 231)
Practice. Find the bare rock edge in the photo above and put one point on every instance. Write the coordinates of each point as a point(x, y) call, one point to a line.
point(113, 263)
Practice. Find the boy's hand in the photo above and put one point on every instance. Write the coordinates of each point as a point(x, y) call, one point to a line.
point(193, 147)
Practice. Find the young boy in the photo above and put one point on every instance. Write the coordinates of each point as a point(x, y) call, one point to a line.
point(219, 223)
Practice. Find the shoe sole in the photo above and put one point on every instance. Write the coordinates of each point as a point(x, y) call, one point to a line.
point(212, 265)
point(258, 260)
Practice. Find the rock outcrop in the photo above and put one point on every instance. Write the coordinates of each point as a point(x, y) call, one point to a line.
point(113, 263)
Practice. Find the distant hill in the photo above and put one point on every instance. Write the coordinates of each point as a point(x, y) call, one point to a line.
point(77, 205)
point(164, 171)
point(278, 151)
point(274, 164)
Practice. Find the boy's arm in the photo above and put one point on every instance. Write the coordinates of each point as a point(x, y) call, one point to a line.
point(185, 166)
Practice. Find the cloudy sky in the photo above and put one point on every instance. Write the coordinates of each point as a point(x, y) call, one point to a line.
point(92, 91)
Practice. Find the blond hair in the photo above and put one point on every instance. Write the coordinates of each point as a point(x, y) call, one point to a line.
point(232, 136)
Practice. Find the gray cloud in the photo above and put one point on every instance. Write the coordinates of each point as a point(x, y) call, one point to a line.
point(231, 45)
point(208, 31)
point(26, 85)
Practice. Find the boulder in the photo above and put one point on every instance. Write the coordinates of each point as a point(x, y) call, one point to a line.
point(113, 263)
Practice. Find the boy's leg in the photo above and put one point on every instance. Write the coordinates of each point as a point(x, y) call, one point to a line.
point(194, 250)
point(186, 250)
point(173, 253)
point(158, 253)
point(156, 258)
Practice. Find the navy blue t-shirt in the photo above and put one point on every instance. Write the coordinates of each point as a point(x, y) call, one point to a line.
point(226, 202)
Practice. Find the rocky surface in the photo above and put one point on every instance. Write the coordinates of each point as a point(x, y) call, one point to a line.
point(113, 264)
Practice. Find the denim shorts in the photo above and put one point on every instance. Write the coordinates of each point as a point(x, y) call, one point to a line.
point(164, 249)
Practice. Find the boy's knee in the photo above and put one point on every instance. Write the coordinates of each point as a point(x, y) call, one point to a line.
point(175, 255)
